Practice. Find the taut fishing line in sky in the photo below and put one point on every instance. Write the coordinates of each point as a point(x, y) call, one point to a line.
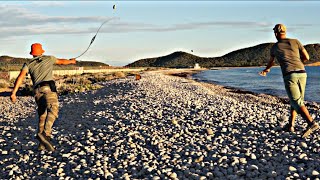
point(94, 37)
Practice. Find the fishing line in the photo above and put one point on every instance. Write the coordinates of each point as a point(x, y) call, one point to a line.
point(94, 37)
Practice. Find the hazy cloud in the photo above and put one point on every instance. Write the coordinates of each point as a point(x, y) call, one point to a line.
point(120, 27)
point(47, 3)
point(19, 21)
point(291, 28)
point(13, 16)
point(129, 27)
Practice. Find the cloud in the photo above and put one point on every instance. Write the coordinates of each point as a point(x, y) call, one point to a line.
point(291, 28)
point(15, 16)
point(134, 27)
point(246, 25)
point(19, 21)
point(47, 3)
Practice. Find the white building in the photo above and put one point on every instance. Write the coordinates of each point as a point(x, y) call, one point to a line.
point(196, 66)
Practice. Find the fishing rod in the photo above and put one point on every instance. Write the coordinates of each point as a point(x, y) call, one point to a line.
point(94, 37)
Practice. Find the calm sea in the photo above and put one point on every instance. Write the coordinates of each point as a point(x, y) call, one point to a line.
point(249, 79)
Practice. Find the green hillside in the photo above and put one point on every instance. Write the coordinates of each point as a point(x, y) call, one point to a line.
point(252, 56)
point(176, 59)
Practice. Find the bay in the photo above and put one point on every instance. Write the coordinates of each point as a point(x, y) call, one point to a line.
point(248, 79)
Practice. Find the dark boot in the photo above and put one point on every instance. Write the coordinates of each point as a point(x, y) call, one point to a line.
point(45, 140)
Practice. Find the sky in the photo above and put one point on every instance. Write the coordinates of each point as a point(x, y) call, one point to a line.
point(142, 29)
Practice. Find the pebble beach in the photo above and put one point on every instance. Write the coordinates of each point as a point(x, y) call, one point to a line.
point(159, 127)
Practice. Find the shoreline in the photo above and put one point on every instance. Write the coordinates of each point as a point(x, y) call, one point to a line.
point(227, 90)
point(230, 91)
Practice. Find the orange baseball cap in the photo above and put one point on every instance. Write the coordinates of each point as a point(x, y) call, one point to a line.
point(36, 49)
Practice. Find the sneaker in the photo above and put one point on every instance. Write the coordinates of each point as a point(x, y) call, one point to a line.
point(45, 140)
point(309, 130)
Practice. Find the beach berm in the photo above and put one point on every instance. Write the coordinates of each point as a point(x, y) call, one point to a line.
point(160, 127)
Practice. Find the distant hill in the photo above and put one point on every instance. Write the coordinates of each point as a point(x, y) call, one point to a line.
point(11, 60)
point(314, 52)
point(176, 59)
point(252, 56)
point(15, 61)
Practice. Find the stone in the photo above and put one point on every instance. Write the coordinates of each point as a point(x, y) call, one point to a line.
point(285, 148)
point(173, 175)
point(253, 156)
point(292, 169)
point(4, 152)
point(174, 121)
point(209, 131)
point(315, 173)
point(224, 130)
point(60, 170)
point(253, 167)
point(26, 157)
point(243, 160)
point(303, 144)
point(302, 156)
point(66, 155)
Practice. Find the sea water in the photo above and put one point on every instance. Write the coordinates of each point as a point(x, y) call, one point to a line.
point(248, 79)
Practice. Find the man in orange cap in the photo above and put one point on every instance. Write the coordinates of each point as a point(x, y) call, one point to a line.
point(45, 93)
point(291, 54)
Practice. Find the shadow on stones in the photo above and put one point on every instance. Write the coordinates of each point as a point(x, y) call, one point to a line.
point(79, 117)
point(274, 149)
point(20, 138)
